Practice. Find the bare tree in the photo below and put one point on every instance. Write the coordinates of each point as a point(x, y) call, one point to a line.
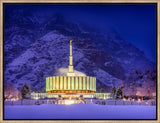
point(10, 91)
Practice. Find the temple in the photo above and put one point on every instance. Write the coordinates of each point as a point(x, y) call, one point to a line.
point(70, 83)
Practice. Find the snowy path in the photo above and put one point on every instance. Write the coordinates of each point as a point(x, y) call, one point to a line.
point(79, 111)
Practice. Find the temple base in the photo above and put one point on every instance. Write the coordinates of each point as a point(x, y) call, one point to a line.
point(70, 74)
point(70, 69)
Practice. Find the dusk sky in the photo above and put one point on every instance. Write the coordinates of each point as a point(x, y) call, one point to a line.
point(136, 23)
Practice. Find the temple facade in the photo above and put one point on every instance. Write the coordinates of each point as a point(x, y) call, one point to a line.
point(70, 83)
point(70, 86)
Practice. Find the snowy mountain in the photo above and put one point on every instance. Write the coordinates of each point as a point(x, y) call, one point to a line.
point(37, 46)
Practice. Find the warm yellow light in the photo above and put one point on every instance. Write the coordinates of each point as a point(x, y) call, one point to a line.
point(69, 102)
point(61, 86)
point(57, 86)
point(139, 100)
point(36, 98)
point(13, 99)
point(124, 99)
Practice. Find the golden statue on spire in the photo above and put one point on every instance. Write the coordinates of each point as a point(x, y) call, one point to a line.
point(70, 42)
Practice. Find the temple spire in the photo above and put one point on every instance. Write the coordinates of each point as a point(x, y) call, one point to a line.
point(70, 57)
point(70, 67)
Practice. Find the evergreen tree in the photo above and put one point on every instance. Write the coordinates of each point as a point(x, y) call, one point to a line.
point(25, 90)
point(44, 90)
point(113, 91)
point(119, 93)
point(101, 90)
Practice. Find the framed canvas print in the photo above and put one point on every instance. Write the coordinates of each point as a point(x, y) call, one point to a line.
point(79, 61)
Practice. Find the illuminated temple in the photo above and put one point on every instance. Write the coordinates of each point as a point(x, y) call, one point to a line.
point(70, 83)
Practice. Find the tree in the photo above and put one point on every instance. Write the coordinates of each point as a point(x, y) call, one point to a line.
point(10, 91)
point(19, 95)
point(101, 90)
point(133, 88)
point(119, 93)
point(44, 90)
point(25, 91)
point(113, 91)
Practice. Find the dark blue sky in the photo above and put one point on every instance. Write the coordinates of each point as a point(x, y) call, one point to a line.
point(136, 23)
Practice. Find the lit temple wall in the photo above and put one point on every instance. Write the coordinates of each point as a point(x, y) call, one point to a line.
point(57, 83)
point(50, 81)
point(87, 83)
point(84, 81)
point(90, 83)
point(76, 82)
point(80, 83)
point(73, 83)
point(93, 83)
point(61, 83)
point(65, 83)
point(54, 83)
point(68, 83)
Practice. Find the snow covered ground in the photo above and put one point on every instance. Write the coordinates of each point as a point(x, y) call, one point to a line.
point(79, 111)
